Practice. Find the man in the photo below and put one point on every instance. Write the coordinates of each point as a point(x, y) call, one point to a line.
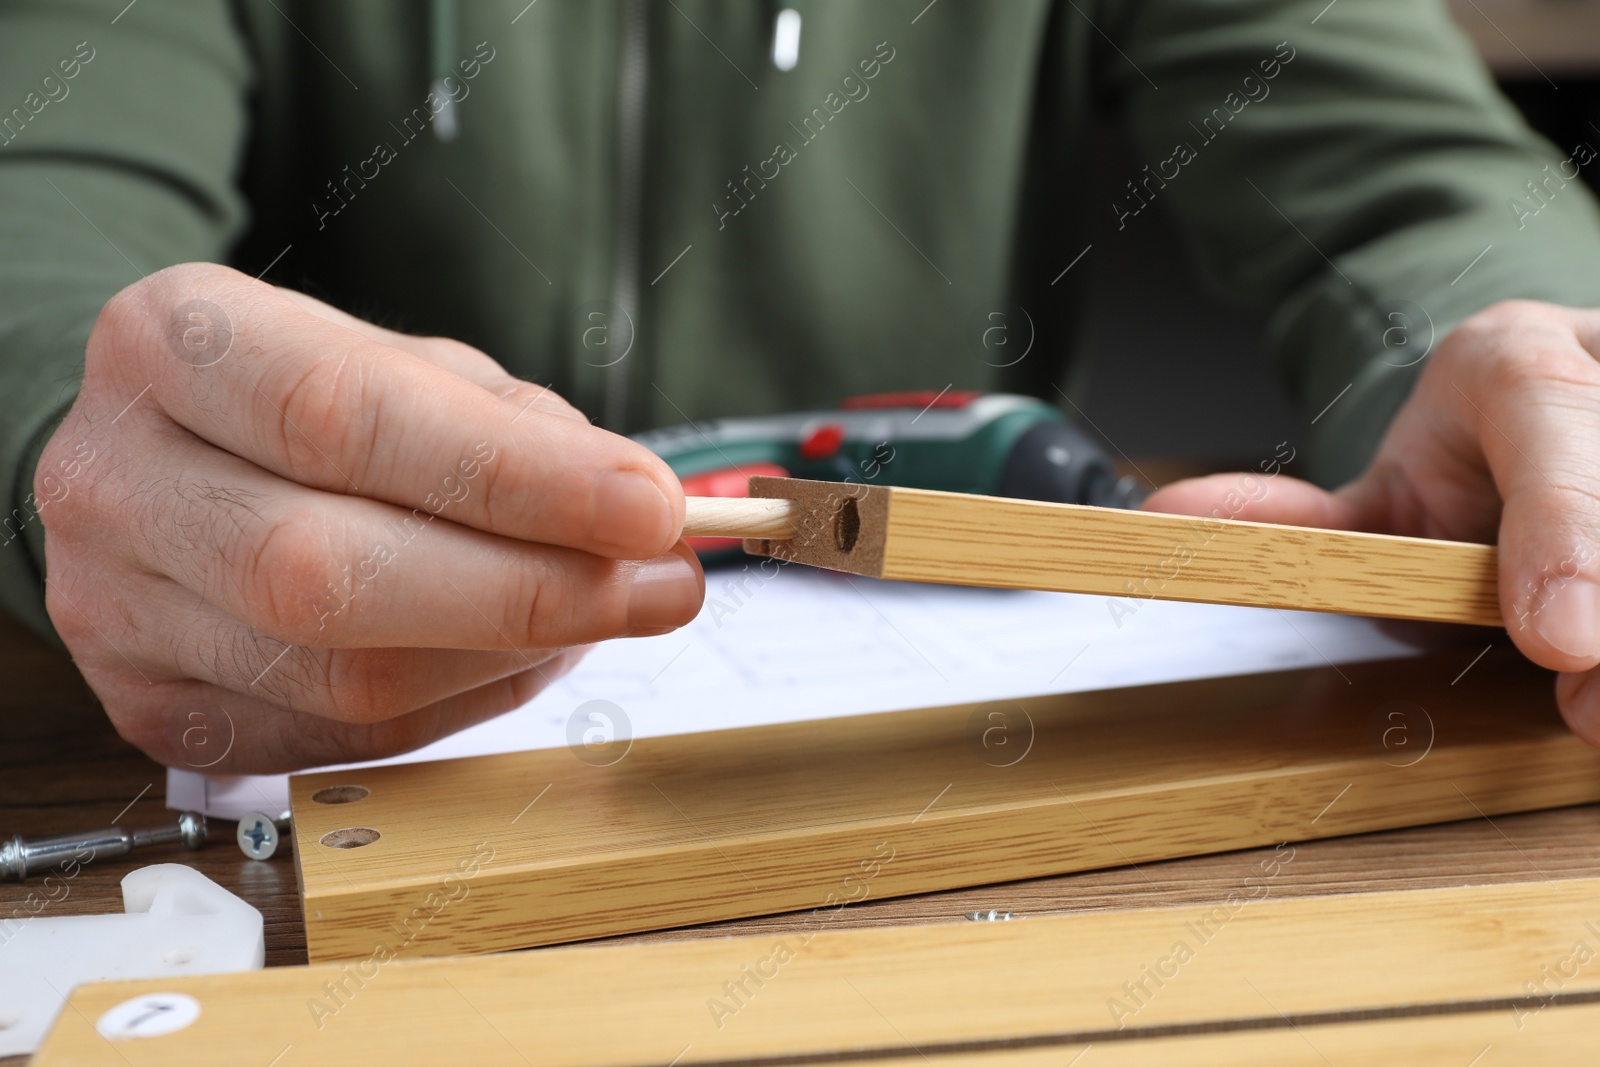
point(353, 540)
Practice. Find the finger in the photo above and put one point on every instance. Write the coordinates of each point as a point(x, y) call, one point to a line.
point(183, 637)
point(317, 569)
point(1533, 401)
point(454, 356)
point(1578, 696)
point(1257, 498)
point(241, 736)
point(1362, 505)
point(330, 408)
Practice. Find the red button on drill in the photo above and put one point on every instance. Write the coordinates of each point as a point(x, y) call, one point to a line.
point(822, 442)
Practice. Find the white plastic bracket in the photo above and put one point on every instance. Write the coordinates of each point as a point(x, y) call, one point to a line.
point(177, 922)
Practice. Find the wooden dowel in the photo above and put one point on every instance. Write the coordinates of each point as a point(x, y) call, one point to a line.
point(726, 516)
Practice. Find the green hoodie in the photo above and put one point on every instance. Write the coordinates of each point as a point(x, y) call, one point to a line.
point(632, 202)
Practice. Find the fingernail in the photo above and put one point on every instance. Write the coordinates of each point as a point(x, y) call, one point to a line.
point(1570, 619)
point(666, 593)
point(631, 513)
point(650, 631)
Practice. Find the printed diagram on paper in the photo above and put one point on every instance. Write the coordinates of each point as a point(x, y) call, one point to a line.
point(780, 644)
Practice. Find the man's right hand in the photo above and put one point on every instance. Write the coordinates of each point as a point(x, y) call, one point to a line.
point(277, 536)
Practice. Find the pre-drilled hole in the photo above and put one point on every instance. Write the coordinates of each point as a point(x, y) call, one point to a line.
point(350, 837)
point(340, 794)
point(847, 526)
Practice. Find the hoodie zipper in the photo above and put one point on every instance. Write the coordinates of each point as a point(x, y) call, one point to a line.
point(442, 18)
point(632, 86)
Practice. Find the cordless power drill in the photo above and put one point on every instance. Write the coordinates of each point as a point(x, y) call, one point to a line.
point(964, 442)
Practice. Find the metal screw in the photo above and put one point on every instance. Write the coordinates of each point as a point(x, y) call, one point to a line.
point(990, 916)
point(259, 835)
point(20, 857)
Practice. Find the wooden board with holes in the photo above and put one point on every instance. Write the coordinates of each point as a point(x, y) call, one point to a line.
point(1434, 974)
point(534, 848)
point(920, 535)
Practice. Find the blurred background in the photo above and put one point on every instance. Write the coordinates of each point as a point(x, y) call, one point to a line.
point(1208, 356)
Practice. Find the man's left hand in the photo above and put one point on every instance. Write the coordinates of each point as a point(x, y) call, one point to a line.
point(1499, 442)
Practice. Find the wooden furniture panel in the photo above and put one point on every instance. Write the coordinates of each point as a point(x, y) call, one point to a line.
point(539, 847)
point(921, 535)
point(1305, 968)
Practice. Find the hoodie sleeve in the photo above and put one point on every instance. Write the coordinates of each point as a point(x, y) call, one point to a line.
point(1349, 168)
point(120, 131)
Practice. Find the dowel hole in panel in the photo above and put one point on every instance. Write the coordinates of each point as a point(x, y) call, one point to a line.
point(350, 837)
point(340, 794)
point(847, 526)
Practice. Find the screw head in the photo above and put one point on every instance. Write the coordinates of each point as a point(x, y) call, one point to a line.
point(13, 861)
point(192, 825)
point(257, 836)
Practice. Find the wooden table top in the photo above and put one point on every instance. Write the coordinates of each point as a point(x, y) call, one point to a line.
point(62, 768)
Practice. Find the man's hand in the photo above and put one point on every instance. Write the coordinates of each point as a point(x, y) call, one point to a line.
point(278, 536)
point(1500, 442)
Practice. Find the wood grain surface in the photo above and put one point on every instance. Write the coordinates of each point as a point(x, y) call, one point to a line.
point(532, 848)
point(920, 535)
point(906, 994)
point(62, 768)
